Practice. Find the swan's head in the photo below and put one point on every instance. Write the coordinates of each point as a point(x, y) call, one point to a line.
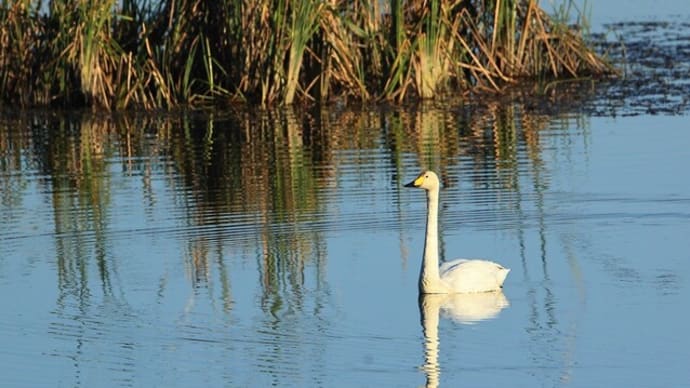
point(428, 180)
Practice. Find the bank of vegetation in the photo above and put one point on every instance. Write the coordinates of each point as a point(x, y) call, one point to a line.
point(153, 54)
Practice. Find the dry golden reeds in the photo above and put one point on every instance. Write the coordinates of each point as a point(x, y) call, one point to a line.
point(149, 54)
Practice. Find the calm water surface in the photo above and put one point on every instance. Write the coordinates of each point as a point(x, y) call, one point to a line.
point(256, 249)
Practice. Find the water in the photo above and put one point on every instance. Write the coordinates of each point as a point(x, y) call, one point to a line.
point(246, 248)
point(280, 249)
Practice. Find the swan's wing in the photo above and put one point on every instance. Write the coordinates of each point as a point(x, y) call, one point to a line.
point(479, 264)
point(473, 275)
point(450, 265)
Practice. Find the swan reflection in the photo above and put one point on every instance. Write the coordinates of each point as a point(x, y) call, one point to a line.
point(461, 308)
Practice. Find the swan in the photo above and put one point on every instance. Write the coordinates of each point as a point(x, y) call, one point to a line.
point(457, 276)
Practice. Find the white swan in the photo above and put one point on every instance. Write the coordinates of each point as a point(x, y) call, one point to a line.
point(457, 276)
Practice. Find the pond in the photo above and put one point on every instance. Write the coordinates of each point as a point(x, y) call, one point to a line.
point(258, 248)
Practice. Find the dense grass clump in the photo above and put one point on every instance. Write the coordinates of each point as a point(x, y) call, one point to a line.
point(150, 54)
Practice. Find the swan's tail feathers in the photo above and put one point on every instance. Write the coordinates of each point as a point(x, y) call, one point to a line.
point(501, 276)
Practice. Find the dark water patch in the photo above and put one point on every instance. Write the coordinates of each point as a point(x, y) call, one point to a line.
point(654, 58)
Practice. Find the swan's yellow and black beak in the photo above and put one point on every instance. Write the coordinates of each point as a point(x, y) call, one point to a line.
point(417, 182)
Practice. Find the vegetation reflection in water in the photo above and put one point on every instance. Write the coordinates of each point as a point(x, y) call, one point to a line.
point(259, 180)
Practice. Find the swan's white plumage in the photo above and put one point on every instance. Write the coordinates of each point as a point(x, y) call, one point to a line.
point(457, 276)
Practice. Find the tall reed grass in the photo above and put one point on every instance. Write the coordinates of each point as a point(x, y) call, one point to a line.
point(150, 54)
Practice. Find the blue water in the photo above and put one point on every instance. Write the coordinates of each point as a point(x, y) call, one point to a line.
point(126, 272)
point(599, 13)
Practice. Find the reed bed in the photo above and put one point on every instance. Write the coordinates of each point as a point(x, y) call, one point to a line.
point(150, 54)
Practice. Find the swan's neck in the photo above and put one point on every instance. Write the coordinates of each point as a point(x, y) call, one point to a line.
point(429, 280)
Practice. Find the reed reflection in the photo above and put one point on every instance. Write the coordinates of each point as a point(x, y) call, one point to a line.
point(464, 309)
point(274, 166)
point(254, 178)
point(72, 158)
point(71, 169)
